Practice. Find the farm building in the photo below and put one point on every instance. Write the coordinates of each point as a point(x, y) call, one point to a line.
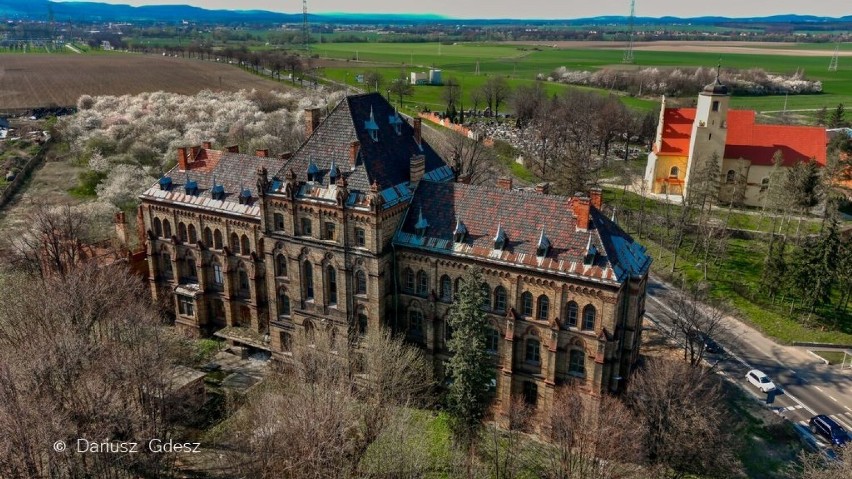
point(688, 137)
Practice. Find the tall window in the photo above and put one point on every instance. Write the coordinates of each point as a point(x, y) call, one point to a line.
point(408, 280)
point(208, 238)
point(328, 231)
point(166, 265)
point(674, 172)
point(217, 239)
point(446, 289)
point(331, 274)
point(308, 279)
point(360, 237)
point(422, 283)
point(532, 352)
point(589, 318)
point(716, 105)
point(492, 341)
point(218, 277)
point(527, 304)
point(486, 296)
point(186, 305)
point(235, 243)
point(530, 393)
point(280, 265)
point(360, 282)
point(571, 311)
point(193, 235)
point(543, 308)
point(283, 302)
point(167, 229)
point(246, 245)
point(182, 232)
point(730, 176)
point(158, 228)
point(415, 323)
point(362, 320)
point(577, 362)
point(305, 223)
point(278, 222)
point(500, 299)
point(243, 282)
point(764, 184)
point(189, 267)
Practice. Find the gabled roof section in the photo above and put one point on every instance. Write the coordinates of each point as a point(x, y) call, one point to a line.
point(747, 139)
point(520, 217)
point(386, 161)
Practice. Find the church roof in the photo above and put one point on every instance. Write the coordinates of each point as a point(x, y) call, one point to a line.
point(747, 139)
point(521, 216)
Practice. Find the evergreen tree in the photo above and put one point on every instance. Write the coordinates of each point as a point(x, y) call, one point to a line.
point(837, 118)
point(704, 183)
point(816, 263)
point(803, 185)
point(774, 267)
point(470, 364)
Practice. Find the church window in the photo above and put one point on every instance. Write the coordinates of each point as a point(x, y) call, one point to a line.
point(280, 265)
point(246, 245)
point(527, 304)
point(589, 314)
point(167, 229)
point(235, 243)
point(182, 232)
point(208, 237)
point(217, 239)
point(158, 228)
point(193, 235)
point(543, 308)
point(716, 105)
point(674, 172)
point(360, 282)
point(730, 177)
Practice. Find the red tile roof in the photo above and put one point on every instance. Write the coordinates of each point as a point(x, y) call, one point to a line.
point(747, 139)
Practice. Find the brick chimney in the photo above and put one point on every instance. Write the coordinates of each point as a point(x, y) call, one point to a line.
point(312, 119)
point(580, 205)
point(183, 165)
point(418, 168)
point(543, 188)
point(596, 196)
point(418, 123)
point(193, 152)
point(354, 148)
point(207, 145)
point(120, 227)
point(262, 153)
point(233, 149)
point(504, 183)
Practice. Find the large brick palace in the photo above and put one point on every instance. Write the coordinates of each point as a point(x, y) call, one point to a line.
point(365, 224)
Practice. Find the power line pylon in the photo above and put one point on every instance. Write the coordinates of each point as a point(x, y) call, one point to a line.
point(306, 33)
point(832, 67)
point(628, 53)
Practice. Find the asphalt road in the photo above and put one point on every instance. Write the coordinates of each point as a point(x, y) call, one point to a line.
point(806, 386)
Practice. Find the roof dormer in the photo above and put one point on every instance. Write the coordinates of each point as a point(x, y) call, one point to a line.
point(396, 122)
point(165, 183)
point(460, 232)
point(190, 187)
point(543, 246)
point(500, 238)
point(591, 253)
point(372, 127)
point(245, 196)
point(422, 225)
point(313, 171)
point(217, 192)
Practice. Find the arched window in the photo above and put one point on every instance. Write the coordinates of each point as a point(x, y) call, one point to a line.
point(158, 228)
point(243, 282)
point(235, 243)
point(208, 237)
point(182, 232)
point(486, 295)
point(218, 277)
point(283, 302)
point(577, 362)
point(674, 172)
point(331, 281)
point(167, 229)
point(245, 245)
point(217, 239)
point(193, 235)
point(166, 265)
point(280, 265)
point(308, 279)
point(278, 222)
point(308, 328)
point(189, 267)
point(456, 286)
point(415, 323)
point(571, 313)
point(422, 283)
point(360, 282)
point(764, 184)
point(446, 289)
point(543, 308)
point(730, 176)
point(408, 280)
point(492, 341)
point(532, 352)
point(500, 299)
point(362, 320)
point(527, 304)
point(589, 318)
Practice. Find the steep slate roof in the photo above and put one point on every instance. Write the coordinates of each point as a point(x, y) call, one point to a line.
point(521, 215)
point(233, 171)
point(386, 161)
point(747, 139)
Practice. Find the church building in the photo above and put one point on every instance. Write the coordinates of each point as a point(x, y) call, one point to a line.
point(366, 225)
point(688, 137)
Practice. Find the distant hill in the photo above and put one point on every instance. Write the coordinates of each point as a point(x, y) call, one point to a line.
point(93, 11)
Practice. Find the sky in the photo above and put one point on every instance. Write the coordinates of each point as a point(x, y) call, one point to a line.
point(529, 8)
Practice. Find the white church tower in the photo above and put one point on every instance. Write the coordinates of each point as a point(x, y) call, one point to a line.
point(710, 129)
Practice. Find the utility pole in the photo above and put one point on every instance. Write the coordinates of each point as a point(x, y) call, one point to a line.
point(832, 67)
point(628, 53)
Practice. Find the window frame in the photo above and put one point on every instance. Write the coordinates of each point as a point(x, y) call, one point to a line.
point(577, 362)
point(542, 307)
point(360, 282)
point(360, 237)
point(527, 304)
point(305, 226)
point(572, 320)
point(594, 316)
point(532, 350)
point(186, 305)
point(500, 299)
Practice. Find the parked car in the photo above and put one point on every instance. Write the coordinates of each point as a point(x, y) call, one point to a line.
point(709, 345)
point(830, 430)
point(760, 380)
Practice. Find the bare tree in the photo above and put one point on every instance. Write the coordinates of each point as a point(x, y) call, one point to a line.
point(695, 317)
point(684, 427)
point(504, 446)
point(818, 465)
point(401, 87)
point(470, 158)
point(592, 438)
point(451, 94)
point(495, 91)
point(526, 101)
point(373, 80)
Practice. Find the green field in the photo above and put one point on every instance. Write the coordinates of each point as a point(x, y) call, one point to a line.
point(521, 63)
